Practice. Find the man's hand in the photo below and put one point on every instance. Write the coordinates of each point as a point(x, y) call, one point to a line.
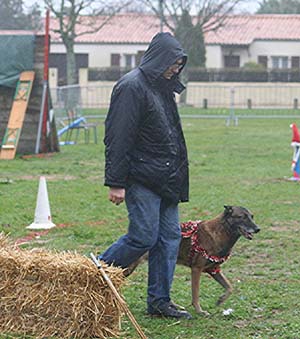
point(116, 195)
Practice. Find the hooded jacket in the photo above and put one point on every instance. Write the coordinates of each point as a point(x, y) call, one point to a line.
point(144, 142)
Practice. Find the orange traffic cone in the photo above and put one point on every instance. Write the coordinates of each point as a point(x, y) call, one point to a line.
point(42, 216)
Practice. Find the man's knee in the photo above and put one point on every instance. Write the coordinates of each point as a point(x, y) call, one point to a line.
point(143, 242)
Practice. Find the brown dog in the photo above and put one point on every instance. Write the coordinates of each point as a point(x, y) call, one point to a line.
point(205, 245)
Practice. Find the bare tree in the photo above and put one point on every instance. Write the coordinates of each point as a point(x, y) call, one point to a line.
point(210, 15)
point(89, 15)
point(189, 20)
point(15, 15)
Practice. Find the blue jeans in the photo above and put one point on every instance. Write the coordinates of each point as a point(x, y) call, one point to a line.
point(154, 227)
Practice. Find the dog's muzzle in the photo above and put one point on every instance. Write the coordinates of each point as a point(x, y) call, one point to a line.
point(248, 233)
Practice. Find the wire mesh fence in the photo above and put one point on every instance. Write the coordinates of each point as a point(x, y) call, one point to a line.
point(227, 100)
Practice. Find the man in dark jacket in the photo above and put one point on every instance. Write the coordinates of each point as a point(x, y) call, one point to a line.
point(147, 166)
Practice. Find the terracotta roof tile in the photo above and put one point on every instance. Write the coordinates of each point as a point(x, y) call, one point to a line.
point(122, 28)
point(245, 29)
point(238, 29)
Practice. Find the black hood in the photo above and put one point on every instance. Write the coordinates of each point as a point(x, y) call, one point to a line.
point(163, 52)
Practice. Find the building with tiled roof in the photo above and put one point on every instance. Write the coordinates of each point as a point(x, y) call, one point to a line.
point(132, 28)
point(270, 40)
point(245, 30)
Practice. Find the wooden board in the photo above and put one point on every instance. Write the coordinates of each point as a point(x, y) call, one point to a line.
point(17, 115)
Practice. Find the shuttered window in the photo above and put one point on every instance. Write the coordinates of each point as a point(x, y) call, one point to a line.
point(139, 57)
point(231, 61)
point(295, 63)
point(115, 59)
point(263, 60)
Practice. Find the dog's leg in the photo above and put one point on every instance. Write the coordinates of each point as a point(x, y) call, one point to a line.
point(128, 270)
point(223, 281)
point(196, 273)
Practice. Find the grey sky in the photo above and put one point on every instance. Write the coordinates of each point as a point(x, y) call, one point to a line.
point(250, 6)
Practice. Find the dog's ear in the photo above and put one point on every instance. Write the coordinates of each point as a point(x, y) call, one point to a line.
point(228, 210)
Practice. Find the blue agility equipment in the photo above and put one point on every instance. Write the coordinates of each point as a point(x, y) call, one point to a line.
point(74, 124)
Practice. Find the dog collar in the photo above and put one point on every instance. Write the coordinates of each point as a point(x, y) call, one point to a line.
point(189, 230)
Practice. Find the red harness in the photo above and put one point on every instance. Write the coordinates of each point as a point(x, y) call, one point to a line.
point(189, 230)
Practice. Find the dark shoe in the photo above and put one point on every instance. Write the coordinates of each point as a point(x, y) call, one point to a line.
point(168, 310)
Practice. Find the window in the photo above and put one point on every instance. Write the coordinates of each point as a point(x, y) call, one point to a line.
point(280, 62)
point(231, 61)
point(263, 60)
point(295, 63)
point(59, 61)
point(115, 59)
point(139, 57)
point(129, 60)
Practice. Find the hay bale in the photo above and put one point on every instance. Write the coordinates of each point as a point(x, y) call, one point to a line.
point(46, 293)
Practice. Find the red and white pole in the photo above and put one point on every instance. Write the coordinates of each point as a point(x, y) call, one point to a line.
point(46, 78)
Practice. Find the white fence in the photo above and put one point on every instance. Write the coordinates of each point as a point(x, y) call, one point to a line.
point(234, 100)
point(249, 96)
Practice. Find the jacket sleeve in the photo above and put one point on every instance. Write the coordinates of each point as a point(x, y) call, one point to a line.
point(121, 130)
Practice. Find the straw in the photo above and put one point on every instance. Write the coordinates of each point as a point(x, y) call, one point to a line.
point(46, 293)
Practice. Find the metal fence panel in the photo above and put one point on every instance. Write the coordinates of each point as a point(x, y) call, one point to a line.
point(230, 100)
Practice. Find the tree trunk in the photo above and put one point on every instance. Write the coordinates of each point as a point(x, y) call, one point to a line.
point(72, 97)
point(71, 64)
point(184, 79)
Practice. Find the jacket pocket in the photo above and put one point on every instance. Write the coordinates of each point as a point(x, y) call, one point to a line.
point(152, 171)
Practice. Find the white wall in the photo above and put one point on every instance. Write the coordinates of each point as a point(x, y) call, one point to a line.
point(214, 53)
point(243, 52)
point(99, 55)
point(220, 95)
point(214, 56)
point(274, 48)
point(263, 95)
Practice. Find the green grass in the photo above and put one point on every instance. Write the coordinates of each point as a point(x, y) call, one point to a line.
point(193, 111)
point(239, 165)
point(239, 112)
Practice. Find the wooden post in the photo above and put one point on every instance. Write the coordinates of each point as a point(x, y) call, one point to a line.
point(249, 104)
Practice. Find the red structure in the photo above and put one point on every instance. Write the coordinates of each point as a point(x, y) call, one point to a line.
point(296, 145)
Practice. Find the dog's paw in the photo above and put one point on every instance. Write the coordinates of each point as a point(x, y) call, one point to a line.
point(200, 311)
point(203, 313)
point(222, 299)
point(219, 302)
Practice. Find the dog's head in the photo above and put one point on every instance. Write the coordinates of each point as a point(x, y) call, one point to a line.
point(240, 220)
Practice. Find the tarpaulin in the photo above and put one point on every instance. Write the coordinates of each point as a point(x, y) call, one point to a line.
point(17, 55)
